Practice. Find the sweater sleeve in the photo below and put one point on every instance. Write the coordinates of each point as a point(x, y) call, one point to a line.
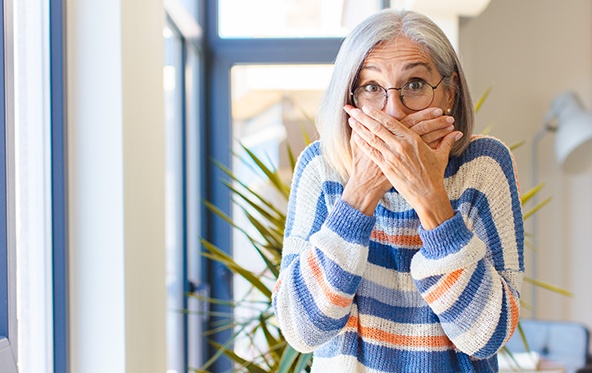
point(470, 268)
point(323, 258)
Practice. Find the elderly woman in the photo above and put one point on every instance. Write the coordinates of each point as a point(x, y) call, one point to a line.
point(403, 247)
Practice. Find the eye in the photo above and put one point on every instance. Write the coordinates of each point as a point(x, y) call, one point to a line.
point(415, 85)
point(372, 88)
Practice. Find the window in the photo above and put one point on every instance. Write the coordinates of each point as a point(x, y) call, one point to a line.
point(291, 18)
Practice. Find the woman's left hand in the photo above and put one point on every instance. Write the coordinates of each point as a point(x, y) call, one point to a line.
point(412, 167)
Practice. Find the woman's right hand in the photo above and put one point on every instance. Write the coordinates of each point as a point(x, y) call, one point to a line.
point(367, 184)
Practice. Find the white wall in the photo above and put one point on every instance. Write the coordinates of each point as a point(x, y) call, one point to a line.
point(116, 165)
point(529, 51)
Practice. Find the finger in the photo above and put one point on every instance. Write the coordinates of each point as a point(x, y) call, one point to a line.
point(370, 151)
point(421, 116)
point(382, 124)
point(448, 141)
point(427, 126)
point(362, 118)
point(364, 133)
point(437, 135)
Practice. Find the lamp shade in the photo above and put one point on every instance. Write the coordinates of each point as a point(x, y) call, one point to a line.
point(573, 142)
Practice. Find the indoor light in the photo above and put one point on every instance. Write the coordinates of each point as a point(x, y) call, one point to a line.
point(573, 142)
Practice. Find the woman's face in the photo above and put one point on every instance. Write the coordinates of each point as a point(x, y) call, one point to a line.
point(396, 63)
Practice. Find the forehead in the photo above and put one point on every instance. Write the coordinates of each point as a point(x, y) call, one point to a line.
point(399, 54)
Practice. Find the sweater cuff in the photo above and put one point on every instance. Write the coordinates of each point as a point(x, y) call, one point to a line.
point(447, 238)
point(350, 224)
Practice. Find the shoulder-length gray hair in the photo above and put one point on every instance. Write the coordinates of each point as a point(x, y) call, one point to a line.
point(384, 26)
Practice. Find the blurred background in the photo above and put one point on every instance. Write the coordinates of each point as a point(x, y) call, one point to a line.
point(153, 92)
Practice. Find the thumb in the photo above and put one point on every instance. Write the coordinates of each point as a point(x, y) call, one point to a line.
point(448, 141)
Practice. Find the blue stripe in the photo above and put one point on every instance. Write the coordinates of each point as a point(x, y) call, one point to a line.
point(338, 278)
point(446, 239)
point(307, 155)
point(375, 356)
point(386, 256)
point(308, 312)
point(406, 218)
point(390, 296)
point(320, 216)
point(493, 148)
point(349, 224)
point(403, 315)
point(481, 214)
point(425, 284)
point(473, 288)
point(474, 309)
point(498, 337)
point(287, 260)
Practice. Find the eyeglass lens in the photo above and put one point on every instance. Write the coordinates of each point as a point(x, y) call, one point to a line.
point(415, 95)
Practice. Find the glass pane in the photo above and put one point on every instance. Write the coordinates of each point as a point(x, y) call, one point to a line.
point(271, 107)
point(292, 18)
point(173, 66)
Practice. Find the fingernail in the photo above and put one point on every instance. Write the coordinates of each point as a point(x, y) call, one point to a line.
point(437, 112)
point(450, 119)
point(458, 136)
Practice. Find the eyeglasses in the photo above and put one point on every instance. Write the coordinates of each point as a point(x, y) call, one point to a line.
point(416, 95)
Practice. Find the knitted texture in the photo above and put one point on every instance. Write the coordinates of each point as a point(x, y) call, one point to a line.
point(380, 293)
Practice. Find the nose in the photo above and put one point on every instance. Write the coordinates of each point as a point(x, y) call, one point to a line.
point(394, 107)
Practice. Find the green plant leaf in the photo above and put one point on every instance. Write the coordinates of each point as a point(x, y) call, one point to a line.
point(271, 340)
point(536, 208)
point(516, 145)
point(482, 99)
point(239, 182)
point(291, 157)
point(529, 194)
point(220, 256)
point(303, 361)
point(249, 365)
point(273, 176)
point(288, 358)
point(548, 286)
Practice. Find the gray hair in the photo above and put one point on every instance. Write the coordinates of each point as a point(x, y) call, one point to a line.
point(384, 26)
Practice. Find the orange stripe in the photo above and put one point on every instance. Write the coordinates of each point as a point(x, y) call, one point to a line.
point(277, 286)
point(448, 282)
point(397, 339)
point(514, 309)
point(317, 272)
point(401, 240)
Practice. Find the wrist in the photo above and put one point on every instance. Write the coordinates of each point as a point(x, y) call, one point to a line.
point(364, 201)
point(435, 212)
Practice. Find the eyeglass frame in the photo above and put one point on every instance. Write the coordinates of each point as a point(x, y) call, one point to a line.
point(399, 89)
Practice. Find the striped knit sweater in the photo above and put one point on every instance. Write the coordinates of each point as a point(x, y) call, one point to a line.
point(381, 294)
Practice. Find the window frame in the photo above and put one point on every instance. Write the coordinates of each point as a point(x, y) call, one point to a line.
point(8, 320)
point(59, 186)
